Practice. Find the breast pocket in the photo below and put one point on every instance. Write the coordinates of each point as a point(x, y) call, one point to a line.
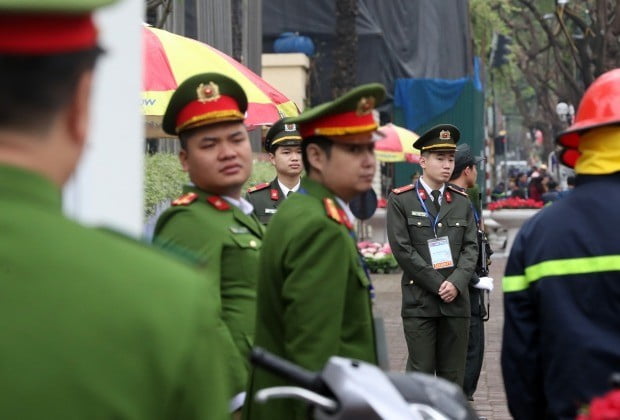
point(247, 242)
point(456, 230)
point(420, 229)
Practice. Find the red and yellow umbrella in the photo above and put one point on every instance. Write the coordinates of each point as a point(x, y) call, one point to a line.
point(397, 145)
point(168, 59)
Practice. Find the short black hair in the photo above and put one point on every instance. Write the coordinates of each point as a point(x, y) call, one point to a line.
point(33, 88)
point(457, 173)
point(570, 180)
point(323, 142)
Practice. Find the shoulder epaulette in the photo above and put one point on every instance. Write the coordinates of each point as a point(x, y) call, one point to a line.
point(218, 202)
point(185, 199)
point(403, 189)
point(258, 187)
point(332, 210)
point(457, 190)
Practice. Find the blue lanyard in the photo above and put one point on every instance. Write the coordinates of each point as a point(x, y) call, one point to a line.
point(476, 217)
point(433, 222)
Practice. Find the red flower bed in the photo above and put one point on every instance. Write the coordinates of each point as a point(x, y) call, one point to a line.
point(515, 203)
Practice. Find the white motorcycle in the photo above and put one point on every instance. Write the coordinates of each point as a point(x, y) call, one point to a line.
point(352, 389)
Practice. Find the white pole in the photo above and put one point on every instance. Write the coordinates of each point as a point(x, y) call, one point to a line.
point(107, 188)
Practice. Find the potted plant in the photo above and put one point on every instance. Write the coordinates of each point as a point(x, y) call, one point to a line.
point(511, 213)
point(378, 257)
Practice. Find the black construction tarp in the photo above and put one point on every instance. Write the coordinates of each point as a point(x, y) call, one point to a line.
point(396, 39)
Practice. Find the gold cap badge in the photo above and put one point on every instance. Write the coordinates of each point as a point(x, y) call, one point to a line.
point(365, 105)
point(290, 127)
point(208, 93)
point(444, 135)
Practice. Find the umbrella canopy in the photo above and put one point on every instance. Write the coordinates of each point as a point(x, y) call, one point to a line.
point(168, 59)
point(397, 145)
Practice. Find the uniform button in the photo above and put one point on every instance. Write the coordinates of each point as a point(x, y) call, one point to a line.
point(253, 243)
point(410, 281)
point(439, 224)
point(419, 223)
point(458, 224)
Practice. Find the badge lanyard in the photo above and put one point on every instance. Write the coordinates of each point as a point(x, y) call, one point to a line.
point(371, 288)
point(433, 222)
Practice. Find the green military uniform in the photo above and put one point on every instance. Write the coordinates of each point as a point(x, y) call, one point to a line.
point(96, 326)
point(306, 314)
point(314, 296)
point(228, 241)
point(266, 197)
point(214, 229)
point(92, 325)
point(410, 227)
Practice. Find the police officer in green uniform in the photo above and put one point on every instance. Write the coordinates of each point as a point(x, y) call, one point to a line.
point(464, 178)
point(432, 233)
point(283, 143)
point(211, 218)
point(314, 296)
point(92, 325)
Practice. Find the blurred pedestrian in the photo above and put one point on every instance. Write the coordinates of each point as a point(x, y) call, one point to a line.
point(92, 325)
point(552, 194)
point(561, 339)
point(283, 142)
point(432, 233)
point(211, 219)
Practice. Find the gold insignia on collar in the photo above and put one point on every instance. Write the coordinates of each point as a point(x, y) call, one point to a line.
point(208, 93)
point(444, 135)
point(365, 106)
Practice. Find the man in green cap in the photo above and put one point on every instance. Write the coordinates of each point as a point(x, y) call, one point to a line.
point(432, 234)
point(314, 295)
point(211, 219)
point(283, 142)
point(92, 325)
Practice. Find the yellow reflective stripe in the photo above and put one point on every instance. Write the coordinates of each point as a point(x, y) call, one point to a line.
point(514, 283)
point(586, 265)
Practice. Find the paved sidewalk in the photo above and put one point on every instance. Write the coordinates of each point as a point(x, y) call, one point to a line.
point(490, 400)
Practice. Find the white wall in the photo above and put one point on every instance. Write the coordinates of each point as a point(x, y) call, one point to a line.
point(107, 188)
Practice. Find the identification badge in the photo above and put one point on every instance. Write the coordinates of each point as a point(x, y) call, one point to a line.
point(271, 211)
point(441, 256)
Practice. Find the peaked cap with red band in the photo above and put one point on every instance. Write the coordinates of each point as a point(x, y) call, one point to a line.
point(39, 27)
point(349, 114)
point(204, 99)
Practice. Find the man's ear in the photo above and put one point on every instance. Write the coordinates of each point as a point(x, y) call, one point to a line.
point(79, 109)
point(316, 157)
point(272, 158)
point(422, 162)
point(183, 159)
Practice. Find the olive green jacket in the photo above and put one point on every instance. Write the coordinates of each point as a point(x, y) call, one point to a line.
point(313, 295)
point(266, 198)
point(409, 229)
point(228, 242)
point(96, 326)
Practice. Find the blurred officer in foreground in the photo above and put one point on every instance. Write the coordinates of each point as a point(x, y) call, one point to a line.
point(432, 233)
point(283, 143)
point(211, 219)
point(92, 325)
point(464, 177)
point(562, 283)
point(314, 296)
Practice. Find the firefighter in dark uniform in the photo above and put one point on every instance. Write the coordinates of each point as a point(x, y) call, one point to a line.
point(283, 142)
point(432, 233)
point(561, 338)
point(464, 177)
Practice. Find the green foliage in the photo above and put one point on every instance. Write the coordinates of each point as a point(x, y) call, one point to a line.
point(261, 172)
point(163, 180)
point(386, 264)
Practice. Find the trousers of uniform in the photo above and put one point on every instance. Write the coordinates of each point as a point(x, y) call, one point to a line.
point(475, 353)
point(437, 345)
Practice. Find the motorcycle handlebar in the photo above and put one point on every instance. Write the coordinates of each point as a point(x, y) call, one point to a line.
point(287, 370)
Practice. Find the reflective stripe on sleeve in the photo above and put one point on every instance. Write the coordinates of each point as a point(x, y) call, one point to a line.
point(572, 266)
